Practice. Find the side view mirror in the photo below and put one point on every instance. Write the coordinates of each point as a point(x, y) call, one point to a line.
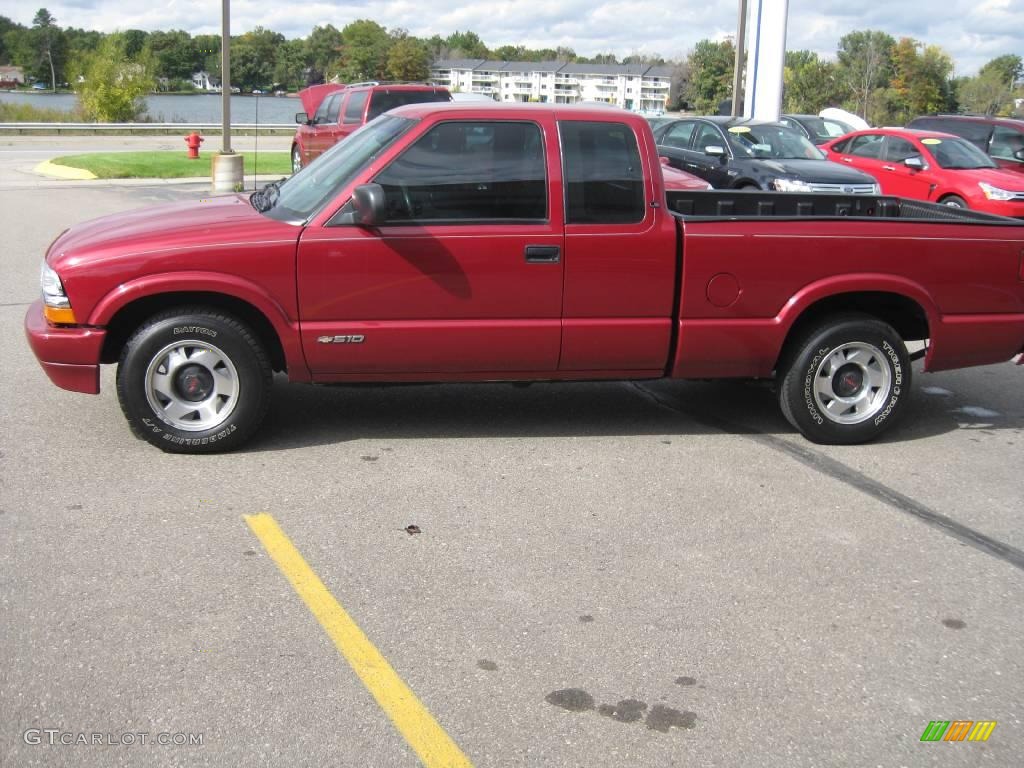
point(1019, 154)
point(370, 205)
point(301, 118)
point(714, 150)
point(915, 163)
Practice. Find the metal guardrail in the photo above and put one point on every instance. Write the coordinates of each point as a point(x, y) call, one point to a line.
point(141, 128)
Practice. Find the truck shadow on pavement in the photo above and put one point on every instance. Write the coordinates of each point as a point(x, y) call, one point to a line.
point(303, 415)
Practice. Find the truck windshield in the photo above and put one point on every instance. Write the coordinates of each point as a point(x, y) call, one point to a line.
point(298, 198)
point(775, 142)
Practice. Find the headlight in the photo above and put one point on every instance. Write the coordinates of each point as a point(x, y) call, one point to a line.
point(876, 189)
point(56, 305)
point(791, 185)
point(995, 193)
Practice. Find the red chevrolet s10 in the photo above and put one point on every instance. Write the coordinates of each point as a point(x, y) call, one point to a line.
point(459, 242)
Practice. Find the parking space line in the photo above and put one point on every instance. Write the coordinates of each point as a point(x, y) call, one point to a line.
point(429, 741)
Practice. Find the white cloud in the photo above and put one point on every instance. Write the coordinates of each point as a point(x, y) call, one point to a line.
point(972, 32)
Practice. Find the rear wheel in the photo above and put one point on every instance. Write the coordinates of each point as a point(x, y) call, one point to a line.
point(954, 202)
point(296, 159)
point(194, 380)
point(846, 381)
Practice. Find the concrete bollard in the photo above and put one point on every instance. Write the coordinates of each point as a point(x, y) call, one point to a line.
point(226, 172)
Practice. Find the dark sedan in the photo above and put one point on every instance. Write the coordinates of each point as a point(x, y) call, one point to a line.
point(737, 153)
point(817, 129)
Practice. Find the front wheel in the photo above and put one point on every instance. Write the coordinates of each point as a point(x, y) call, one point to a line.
point(296, 159)
point(194, 380)
point(954, 202)
point(846, 381)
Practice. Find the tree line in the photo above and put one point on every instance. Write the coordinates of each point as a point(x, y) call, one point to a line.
point(883, 79)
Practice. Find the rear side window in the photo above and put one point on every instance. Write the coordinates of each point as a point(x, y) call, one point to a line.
point(354, 108)
point(469, 172)
point(382, 101)
point(1006, 141)
point(604, 182)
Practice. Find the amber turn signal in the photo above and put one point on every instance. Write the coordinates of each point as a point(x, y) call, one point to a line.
point(59, 315)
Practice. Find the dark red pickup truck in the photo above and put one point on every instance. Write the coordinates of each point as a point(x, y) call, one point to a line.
point(508, 243)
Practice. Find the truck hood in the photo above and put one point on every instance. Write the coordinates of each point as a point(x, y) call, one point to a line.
point(167, 228)
point(313, 96)
point(821, 171)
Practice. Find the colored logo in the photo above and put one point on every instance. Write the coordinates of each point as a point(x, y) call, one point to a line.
point(958, 730)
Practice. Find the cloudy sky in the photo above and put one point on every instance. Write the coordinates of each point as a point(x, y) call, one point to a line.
point(972, 31)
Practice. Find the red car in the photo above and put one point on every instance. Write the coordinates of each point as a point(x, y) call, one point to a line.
point(517, 242)
point(938, 167)
point(338, 110)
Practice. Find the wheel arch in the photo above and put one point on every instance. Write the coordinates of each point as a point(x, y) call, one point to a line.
point(907, 308)
point(129, 316)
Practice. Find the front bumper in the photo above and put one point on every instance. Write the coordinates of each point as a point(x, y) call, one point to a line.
point(69, 356)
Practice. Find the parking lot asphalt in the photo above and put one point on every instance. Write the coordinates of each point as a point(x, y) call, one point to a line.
point(606, 574)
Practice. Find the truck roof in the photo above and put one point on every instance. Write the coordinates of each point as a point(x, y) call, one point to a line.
point(475, 109)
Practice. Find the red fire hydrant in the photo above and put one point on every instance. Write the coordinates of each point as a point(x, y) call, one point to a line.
point(193, 140)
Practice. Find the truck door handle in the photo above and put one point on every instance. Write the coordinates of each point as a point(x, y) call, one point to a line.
point(888, 167)
point(543, 254)
point(846, 159)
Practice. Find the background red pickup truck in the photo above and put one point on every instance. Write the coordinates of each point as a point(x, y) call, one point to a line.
point(521, 242)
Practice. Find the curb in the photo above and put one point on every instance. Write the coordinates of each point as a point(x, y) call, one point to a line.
point(54, 171)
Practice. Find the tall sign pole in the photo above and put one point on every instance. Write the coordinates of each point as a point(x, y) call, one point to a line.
point(737, 74)
point(226, 167)
point(765, 59)
point(225, 76)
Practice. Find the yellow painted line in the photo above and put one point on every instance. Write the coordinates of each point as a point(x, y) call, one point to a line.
point(432, 744)
point(47, 168)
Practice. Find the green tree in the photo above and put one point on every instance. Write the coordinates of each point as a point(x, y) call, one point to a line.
point(466, 45)
point(115, 85)
point(254, 58)
point(289, 69)
point(364, 55)
point(711, 66)
point(810, 84)
point(48, 48)
point(408, 59)
point(323, 50)
point(865, 64)
point(173, 54)
point(1009, 68)
point(207, 48)
point(134, 41)
point(920, 82)
point(16, 31)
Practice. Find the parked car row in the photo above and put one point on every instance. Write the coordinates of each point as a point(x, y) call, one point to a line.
point(959, 161)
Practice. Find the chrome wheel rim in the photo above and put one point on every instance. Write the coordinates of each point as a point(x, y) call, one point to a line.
point(852, 383)
point(296, 161)
point(953, 204)
point(192, 386)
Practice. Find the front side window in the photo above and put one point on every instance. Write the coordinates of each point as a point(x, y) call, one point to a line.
point(899, 150)
point(334, 107)
point(679, 135)
point(298, 198)
point(354, 108)
point(604, 181)
point(469, 172)
point(322, 110)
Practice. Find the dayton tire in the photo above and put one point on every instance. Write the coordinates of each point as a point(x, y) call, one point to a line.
point(194, 380)
point(846, 381)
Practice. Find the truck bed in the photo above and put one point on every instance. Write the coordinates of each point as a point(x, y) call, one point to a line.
point(735, 204)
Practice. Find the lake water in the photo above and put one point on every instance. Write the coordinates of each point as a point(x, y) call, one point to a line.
point(199, 108)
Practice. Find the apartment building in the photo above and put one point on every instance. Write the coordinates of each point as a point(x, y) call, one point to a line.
point(636, 87)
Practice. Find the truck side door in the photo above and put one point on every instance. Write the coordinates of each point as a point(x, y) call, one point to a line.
point(464, 277)
point(352, 115)
point(620, 254)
